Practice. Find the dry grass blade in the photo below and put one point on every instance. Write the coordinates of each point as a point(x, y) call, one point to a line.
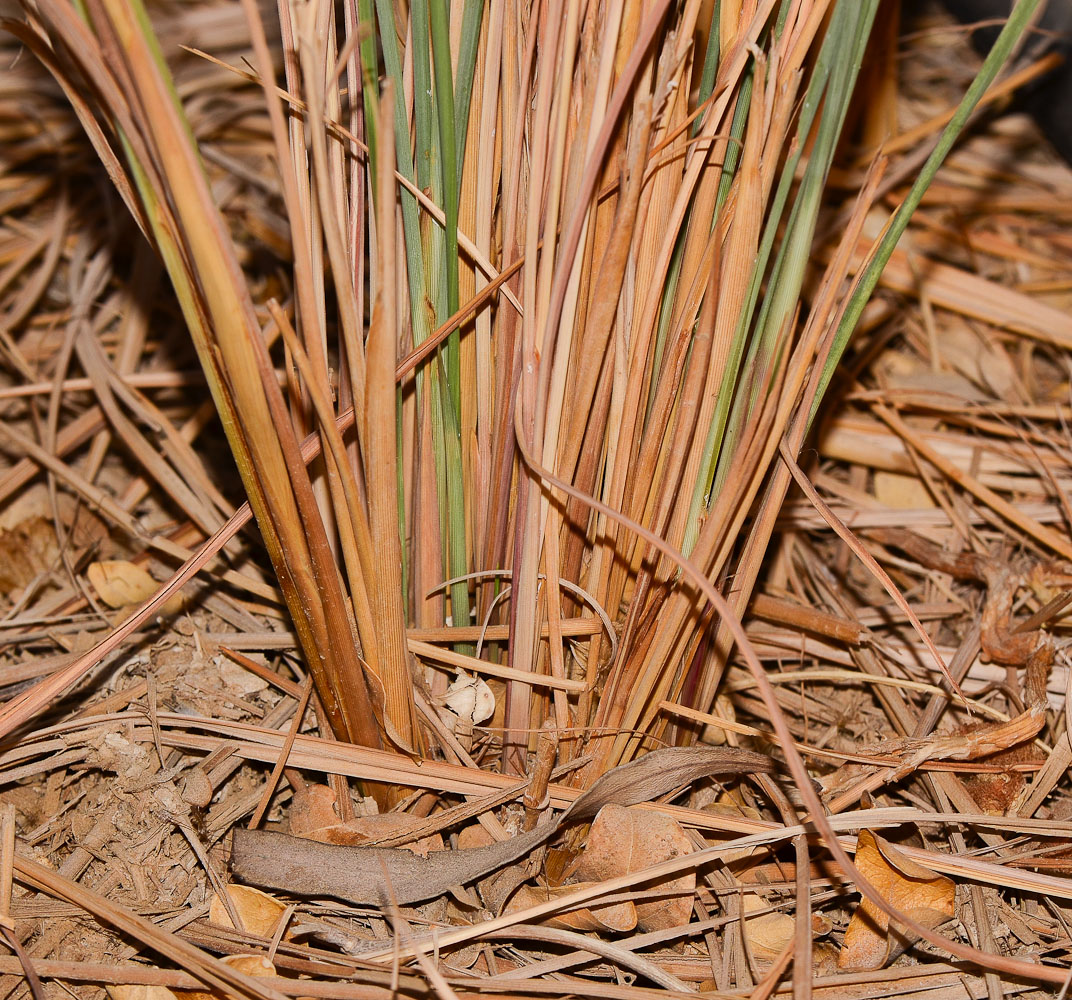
point(831, 518)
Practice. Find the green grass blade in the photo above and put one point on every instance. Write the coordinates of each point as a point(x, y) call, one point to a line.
point(1017, 23)
point(463, 83)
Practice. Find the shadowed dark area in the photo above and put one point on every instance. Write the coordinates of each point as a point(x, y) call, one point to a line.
point(1049, 99)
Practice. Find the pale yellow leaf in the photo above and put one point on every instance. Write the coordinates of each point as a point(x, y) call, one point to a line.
point(767, 931)
point(258, 911)
point(249, 965)
point(139, 992)
point(120, 584)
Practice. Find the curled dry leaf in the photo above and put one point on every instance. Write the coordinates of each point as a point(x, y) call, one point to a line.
point(730, 803)
point(995, 792)
point(617, 917)
point(870, 940)
point(500, 886)
point(716, 735)
point(470, 698)
point(258, 911)
point(624, 840)
point(769, 931)
point(824, 959)
point(122, 584)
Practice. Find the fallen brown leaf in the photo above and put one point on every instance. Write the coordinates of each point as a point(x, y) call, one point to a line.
point(624, 840)
point(870, 941)
point(26, 550)
point(767, 931)
point(313, 817)
point(139, 992)
point(313, 809)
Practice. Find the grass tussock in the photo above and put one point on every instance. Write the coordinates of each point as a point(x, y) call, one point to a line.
point(519, 322)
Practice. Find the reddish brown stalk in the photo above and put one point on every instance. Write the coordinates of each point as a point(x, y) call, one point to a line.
point(382, 458)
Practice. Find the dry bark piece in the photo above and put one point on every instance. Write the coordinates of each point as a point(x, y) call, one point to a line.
point(870, 940)
point(623, 841)
point(369, 876)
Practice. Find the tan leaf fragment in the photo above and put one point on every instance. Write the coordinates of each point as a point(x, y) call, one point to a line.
point(767, 931)
point(122, 584)
point(27, 549)
point(610, 917)
point(258, 911)
point(313, 817)
point(730, 802)
point(870, 941)
point(313, 809)
point(624, 840)
point(250, 965)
